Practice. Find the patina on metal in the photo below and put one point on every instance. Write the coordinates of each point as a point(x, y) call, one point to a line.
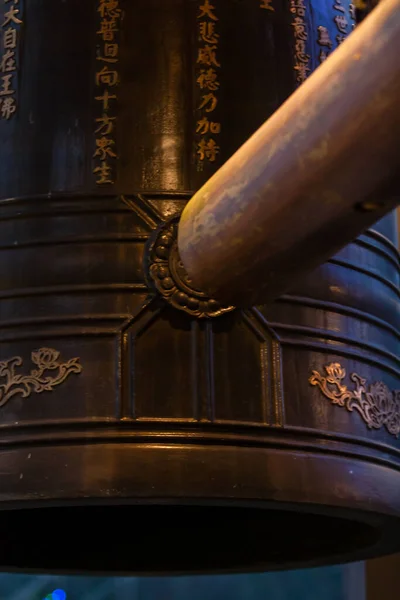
point(191, 439)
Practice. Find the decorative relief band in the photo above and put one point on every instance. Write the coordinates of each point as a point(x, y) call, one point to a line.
point(39, 380)
point(377, 405)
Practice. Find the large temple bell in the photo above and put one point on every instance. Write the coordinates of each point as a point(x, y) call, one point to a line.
point(160, 410)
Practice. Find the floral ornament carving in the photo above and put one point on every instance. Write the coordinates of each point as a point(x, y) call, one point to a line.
point(169, 277)
point(376, 403)
point(50, 372)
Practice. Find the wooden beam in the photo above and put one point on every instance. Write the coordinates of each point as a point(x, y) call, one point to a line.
point(322, 169)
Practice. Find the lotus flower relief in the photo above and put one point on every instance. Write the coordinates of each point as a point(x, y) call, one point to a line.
point(335, 372)
point(50, 372)
point(46, 358)
point(381, 402)
point(377, 405)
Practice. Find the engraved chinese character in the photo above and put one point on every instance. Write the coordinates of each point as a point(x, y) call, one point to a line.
point(323, 55)
point(106, 124)
point(7, 107)
point(107, 77)
point(298, 8)
point(300, 28)
point(266, 4)
point(109, 8)
point(208, 33)
point(105, 98)
point(10, 38)
point(352, 11)
point(107, 29)
point(302, 70)
point(341, 23)
point(301, 51)
point(323, 37)
point(208, 150)
point(6, 83)
point(340, 39)
point(215, 127)
point(211, 100)
point(11, 16)
point(104, 148)
point(207, 56)
point(8, 62)
point(339, 6)
point(207, 11)
point(104, 174)
point(208, 79)
point(110, 53)
point(204, 126)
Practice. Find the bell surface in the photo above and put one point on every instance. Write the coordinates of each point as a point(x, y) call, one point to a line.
point(146, 428)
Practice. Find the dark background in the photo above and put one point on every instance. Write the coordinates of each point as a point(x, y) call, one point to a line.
point(334, 583)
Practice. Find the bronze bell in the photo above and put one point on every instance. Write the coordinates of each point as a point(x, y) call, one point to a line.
point(161, 411)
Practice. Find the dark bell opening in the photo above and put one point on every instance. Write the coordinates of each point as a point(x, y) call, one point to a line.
point(172, 539)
